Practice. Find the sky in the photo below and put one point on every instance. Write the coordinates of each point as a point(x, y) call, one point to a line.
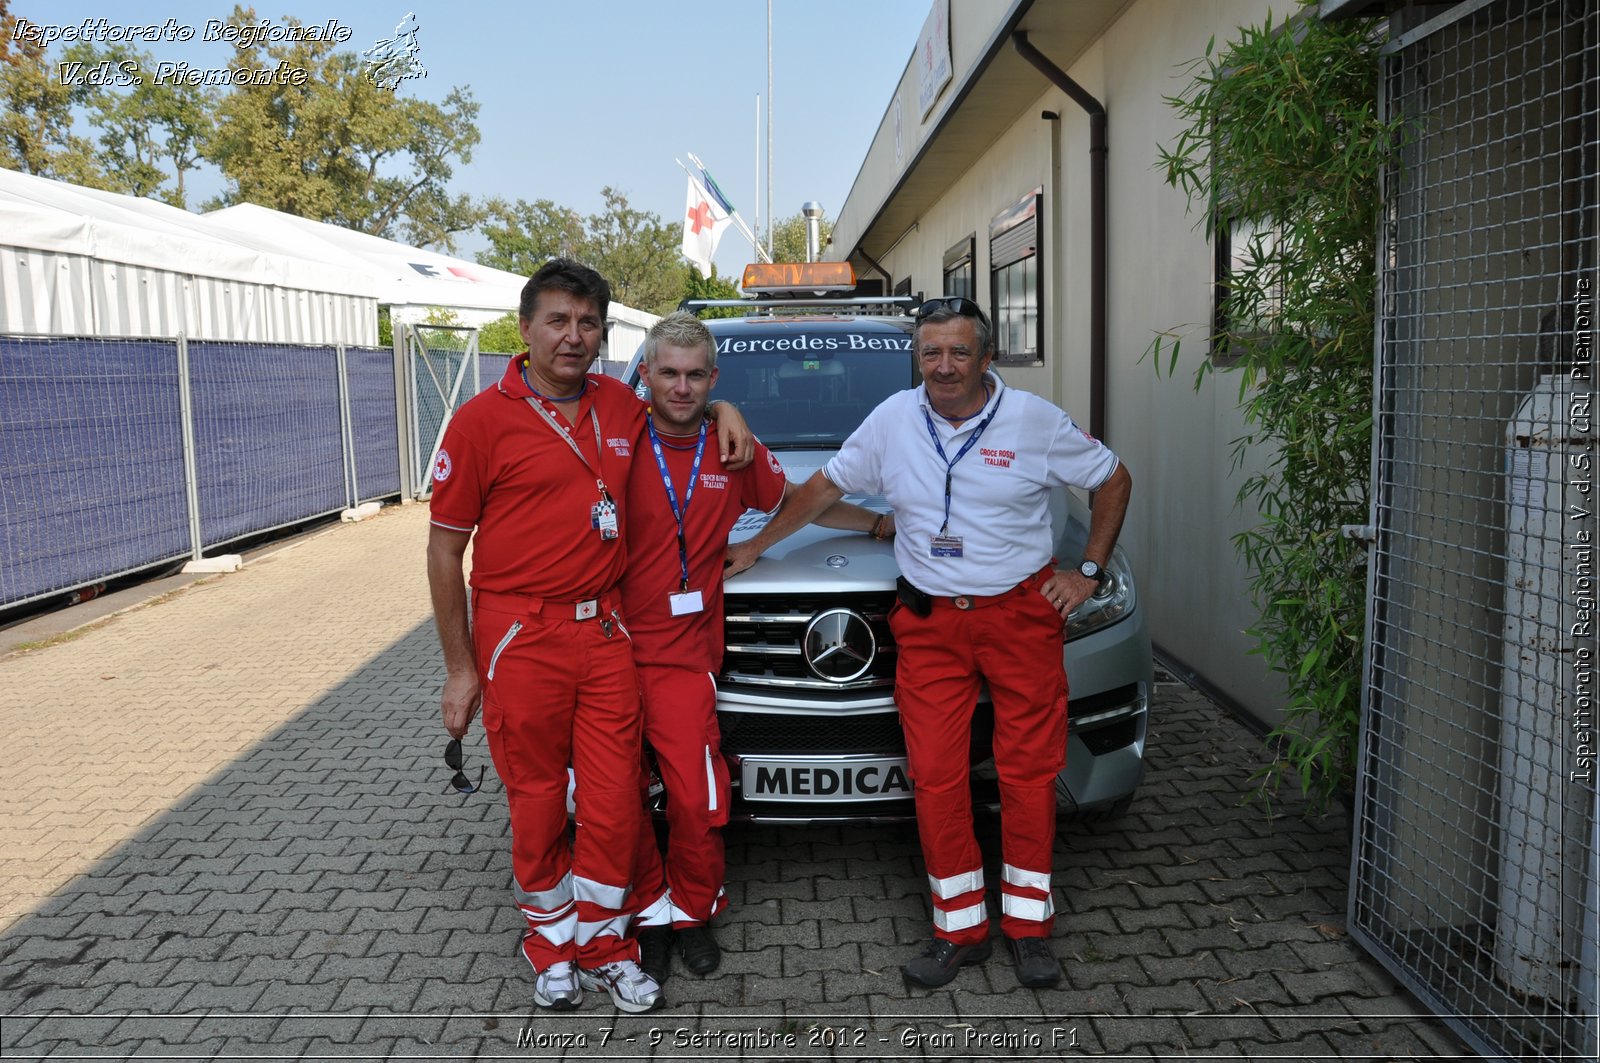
point(580, 94)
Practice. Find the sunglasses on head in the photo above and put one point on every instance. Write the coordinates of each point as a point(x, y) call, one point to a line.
point(452, 760)
point(956, 304)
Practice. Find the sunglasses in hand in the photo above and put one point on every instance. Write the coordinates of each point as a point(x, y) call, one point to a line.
point(452, 760)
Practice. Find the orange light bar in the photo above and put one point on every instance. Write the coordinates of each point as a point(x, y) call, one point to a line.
point(798, 277)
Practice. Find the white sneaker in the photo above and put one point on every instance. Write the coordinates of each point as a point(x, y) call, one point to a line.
point(631, 989)
point(556, 987)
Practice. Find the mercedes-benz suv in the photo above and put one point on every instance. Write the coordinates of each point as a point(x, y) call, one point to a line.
point(805, 699)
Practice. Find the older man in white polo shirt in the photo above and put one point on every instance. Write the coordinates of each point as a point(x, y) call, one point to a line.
point(968, 464)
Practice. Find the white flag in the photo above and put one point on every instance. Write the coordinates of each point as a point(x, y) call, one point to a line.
point(703, 225)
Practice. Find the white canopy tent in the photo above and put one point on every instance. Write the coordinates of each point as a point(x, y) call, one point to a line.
point(415, 282)
point(78, 261)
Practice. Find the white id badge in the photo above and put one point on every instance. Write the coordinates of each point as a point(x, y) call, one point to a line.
point(603, 518)
point(685, 603)
point(944, 546)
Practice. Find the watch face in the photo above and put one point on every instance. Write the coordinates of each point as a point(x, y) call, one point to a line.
point(1089, 569)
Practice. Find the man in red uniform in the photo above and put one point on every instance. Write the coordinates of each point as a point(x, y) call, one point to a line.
point(539, 465)
point(982, 602)
point(682, 504)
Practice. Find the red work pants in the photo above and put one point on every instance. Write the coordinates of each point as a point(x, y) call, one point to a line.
point(680, 723)
point(1014, 644)
point(559, 692)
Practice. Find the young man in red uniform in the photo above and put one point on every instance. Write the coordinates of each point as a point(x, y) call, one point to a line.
point(538, 466)
point(682, 504)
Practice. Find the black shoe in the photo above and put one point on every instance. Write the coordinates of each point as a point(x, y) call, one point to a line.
point(1036, 964)
point(941, 960)
point(655, 952)
point(698, 949)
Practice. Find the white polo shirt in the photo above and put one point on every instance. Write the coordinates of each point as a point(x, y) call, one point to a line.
point(999, 492)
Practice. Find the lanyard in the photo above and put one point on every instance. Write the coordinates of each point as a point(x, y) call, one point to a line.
point(672, 495)
point(561, 430)
point(950, 463)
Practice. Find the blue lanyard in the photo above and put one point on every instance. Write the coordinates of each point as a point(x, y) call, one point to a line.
point(672, 495)
point(950, 463)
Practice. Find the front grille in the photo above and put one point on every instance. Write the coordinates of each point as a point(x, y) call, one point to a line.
point(765, 634)
point(769, 733)
point(753, 734)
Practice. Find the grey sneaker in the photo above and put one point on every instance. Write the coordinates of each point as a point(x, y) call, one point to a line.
point(631, 989)
point(1036, 964)
point(556, 987)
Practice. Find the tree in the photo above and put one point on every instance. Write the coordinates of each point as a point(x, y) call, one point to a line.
point(524, 236)
point(633, 249)
point(333, 146)
point(1298, 157)
point(36, 112)
point(150, 133)
point(501, 336)
point(712, 287)
point(789, 238)
point(638, 254)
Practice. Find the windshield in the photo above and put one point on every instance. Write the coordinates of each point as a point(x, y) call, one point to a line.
point(811, 389)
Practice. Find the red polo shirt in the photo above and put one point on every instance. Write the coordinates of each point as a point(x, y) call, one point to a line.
point(504, 471)
point(692, 640)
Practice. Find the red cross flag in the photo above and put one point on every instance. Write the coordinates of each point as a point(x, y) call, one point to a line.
point(703, 225)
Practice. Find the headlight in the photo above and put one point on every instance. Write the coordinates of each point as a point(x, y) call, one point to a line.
point(1112, 601)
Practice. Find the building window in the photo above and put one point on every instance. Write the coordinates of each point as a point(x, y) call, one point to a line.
point(959, 269)
point(1016, 283)
point(1245, 251)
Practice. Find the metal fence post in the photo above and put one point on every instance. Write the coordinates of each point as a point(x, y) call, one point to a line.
point(405, 430)
point(191, 469)
point(352, 490)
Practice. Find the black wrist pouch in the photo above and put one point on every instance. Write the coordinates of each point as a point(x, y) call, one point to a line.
point(913, 599)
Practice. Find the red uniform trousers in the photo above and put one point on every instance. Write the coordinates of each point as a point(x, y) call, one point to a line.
point(1014, 644)
point(680, 723)
point(560, 691)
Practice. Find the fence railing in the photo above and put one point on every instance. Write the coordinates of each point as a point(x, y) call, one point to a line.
point(118, 455)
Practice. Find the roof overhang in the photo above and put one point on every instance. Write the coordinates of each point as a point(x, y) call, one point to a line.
point(997, 89)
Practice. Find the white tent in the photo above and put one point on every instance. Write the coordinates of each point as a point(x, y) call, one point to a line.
point(415, 282)
point(412, 281)
point(77, 261)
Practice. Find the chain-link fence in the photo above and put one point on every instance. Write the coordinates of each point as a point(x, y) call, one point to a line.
point(1474, 871)
point(123, 454)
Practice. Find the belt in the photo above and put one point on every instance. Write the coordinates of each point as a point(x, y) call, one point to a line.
point(978, 601)
point(586, 609)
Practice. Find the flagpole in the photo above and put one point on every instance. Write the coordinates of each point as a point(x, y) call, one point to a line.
point(769, 131)
point(758, 164)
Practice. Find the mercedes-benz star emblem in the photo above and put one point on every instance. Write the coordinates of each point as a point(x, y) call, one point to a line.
point(837, 561)
point(839, 645)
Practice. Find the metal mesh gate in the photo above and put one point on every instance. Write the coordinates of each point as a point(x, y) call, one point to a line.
point(1474, 871)
point(442, 368)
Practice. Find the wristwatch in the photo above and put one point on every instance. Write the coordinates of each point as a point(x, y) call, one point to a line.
point(1089, 570)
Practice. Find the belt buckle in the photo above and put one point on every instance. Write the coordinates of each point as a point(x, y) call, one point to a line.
point(961, 601)
point(588, 610)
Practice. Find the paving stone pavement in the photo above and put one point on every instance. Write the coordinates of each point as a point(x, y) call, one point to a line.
point(228, 835)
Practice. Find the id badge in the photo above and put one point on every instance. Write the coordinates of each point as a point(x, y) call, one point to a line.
point(944, 546)
point(685, 603)
point(603, 518)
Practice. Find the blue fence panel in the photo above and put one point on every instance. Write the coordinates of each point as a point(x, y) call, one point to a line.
point(267, 434)
point(491, 367)
point(369, 374)
point(91, 444)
